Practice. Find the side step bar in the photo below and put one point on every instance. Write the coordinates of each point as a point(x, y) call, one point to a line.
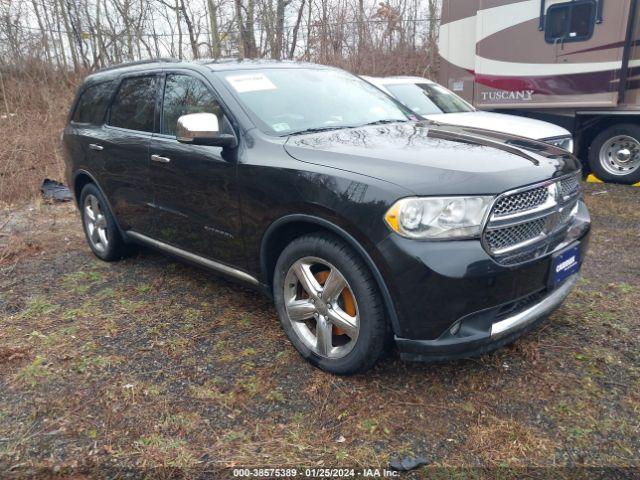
point(192, 257)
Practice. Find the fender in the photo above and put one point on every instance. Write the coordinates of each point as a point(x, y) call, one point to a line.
point(349, 239)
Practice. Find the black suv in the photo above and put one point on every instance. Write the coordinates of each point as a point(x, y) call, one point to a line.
point(363, 222)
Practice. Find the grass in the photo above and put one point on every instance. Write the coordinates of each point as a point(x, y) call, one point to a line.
point(148, 363)
point(34, 373)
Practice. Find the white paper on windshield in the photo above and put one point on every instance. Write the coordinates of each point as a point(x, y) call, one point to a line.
point(251, 82)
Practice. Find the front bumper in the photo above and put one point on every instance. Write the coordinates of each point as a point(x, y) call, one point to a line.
point(485, 332)
point(454, 300)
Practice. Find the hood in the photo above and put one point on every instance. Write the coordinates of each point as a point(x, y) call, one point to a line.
point(499, 122)
point(431, 159)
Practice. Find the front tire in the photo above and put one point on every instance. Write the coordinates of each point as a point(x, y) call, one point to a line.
point(329, 305)
point(614, 155)
point(99, 225)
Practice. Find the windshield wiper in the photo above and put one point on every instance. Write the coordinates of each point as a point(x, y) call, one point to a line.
point(318, 129)
point(340, 127)
point(383, 122)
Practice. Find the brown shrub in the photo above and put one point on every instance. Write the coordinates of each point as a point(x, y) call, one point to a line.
point(37, 99)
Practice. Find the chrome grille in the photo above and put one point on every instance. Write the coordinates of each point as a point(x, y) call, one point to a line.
point(506, 237)
point(528, 216)
point(521, 202)
point(569, 185)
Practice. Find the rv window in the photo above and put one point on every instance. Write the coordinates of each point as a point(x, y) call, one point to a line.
point(570, 22)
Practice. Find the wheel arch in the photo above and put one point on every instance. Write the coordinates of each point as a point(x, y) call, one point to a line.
point(81, 178)
point(281, 232)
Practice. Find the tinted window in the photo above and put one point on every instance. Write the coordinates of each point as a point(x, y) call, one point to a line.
point(134, 104)
point(570, 22)
point(582, 20)
point(93, 104)
point(427, 99)
point(183, 95)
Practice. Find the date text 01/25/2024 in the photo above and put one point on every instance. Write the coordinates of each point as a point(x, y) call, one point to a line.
point(315, 473)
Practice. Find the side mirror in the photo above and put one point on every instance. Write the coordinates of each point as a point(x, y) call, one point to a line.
point(203, 129)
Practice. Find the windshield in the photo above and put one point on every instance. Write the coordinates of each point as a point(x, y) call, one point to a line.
point(427, 99)
point(284, 101)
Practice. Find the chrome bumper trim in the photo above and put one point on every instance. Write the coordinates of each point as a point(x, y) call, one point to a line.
point(545, 306)
point(205, 262)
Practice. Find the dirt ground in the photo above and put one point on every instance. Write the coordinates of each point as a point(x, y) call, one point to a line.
point(149, 363)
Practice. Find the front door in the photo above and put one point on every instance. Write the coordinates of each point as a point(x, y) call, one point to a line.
point(195, 188)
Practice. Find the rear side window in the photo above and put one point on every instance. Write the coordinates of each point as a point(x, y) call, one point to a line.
point(571, 21)
point(183, 95)
point(134, 105)
point(93, 103)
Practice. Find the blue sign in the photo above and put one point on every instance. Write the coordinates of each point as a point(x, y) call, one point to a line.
point(565, 264)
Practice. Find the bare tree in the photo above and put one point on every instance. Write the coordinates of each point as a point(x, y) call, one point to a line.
point(214, 33)
point(296, 28)
point(373, 36)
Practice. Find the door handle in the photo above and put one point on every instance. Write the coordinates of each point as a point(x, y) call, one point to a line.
point(158, 158)
point(95, 146)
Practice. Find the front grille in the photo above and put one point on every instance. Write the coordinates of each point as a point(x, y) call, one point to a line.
point(506, 237)
point(522, 220)
point(521, 202)
point(569, 185)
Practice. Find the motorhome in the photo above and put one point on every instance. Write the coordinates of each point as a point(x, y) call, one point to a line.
point(575, 63)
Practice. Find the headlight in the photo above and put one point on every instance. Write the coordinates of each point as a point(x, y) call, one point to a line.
point(566, 143)
point(434, 218)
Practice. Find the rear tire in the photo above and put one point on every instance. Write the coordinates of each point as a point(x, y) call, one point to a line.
point(614, 155)
point(100, 228)
point(327, 329)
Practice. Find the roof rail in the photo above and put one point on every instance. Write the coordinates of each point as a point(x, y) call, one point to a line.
point(138, 62)
point(209, 61)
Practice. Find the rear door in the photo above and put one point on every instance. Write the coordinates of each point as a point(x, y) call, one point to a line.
point(125, 149)
point(85, 127)
point(195, 188)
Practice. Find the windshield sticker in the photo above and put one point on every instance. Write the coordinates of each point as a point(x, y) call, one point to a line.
point(253, 82)
point(281, 127)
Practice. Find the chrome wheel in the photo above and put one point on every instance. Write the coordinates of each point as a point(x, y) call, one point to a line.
point(95, 223)
point(620, 155)
point(321, 307)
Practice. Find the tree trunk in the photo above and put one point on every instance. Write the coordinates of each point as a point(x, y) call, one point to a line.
point(249, 34)
point(296, 27)
point(281, 6)
point(240, 22)
point(179, 25)
point(213, 25)
point(360, 27)
point(70, 39)
point(192, 37)
point(63, 52)
point(45, 39)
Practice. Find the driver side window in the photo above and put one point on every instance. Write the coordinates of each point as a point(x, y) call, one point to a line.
point(184, 94)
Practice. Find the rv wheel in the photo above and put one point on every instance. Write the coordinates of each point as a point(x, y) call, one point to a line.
point(614, 155)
